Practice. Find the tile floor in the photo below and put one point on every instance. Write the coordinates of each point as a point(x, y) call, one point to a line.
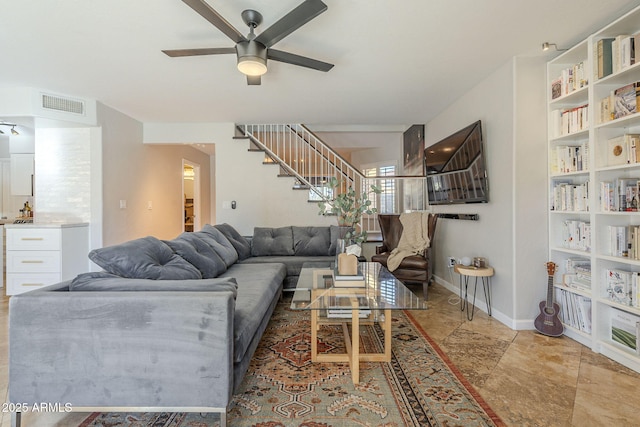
point(528, 379)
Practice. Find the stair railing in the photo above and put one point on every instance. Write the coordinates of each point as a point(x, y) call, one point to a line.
point(307, 158)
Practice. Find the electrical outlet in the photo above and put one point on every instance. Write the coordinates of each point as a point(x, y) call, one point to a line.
point(452, 261)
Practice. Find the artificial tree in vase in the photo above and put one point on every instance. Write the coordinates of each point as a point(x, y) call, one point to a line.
point(349, 206)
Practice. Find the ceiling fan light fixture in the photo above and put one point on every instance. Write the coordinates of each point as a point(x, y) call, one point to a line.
point(252, 58)
point(252, 66)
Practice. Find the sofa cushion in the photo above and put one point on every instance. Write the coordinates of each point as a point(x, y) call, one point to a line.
point(272, 241)
point(145, 258)
point(292, 263)
point(259, 285)
point(197, 252)
point(311, 241)
point(223, 247)
point(241, 245)
point(103, 281)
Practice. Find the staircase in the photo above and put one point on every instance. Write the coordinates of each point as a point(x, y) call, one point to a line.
point(303, 156)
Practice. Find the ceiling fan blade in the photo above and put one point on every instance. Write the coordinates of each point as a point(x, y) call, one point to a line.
point(216, 19)
point(303, 61)
point(253, 80)
point(204, 51)
point(293, 20)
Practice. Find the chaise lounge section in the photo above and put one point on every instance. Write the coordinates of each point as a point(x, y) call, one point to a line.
point(167, 326)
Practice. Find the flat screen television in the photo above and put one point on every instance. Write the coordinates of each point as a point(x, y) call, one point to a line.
point(455, 168)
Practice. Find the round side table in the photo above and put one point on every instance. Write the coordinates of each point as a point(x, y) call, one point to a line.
point(465, 273)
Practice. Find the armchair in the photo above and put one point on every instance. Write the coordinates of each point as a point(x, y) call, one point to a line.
point(415, 268)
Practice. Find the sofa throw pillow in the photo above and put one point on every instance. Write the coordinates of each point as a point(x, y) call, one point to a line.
point(337, 232)
point(242, 245)
point(269, 241)
point(214, 238)
point(202, 256)
point(311, 241)
point(145, 258)
point(106, 282)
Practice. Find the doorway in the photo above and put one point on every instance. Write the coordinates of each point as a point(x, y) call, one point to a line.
point(191, 195)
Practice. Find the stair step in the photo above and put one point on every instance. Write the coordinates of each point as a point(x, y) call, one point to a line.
point(240, 137)
point(256, 150)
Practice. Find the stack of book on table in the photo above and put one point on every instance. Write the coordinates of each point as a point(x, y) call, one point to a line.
point(340, 306)
point(348, 281)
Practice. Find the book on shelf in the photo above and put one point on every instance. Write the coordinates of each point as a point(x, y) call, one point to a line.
point(571, 78)
point(607, 196)
point(574, 119)
point(623, 241)
point(606, 109)
point(577, 274)
point(627, 51)
point(576, 235)
point(556, 88)
point(618, 151)
point(618, 286)
point(577, 265)
point(604, 64)
point(567, 196)
point(577, 281)
point(625, 328)
point(570, 158)
point(575, 310)
point(621, 196)
point(627, 194)
point(635, 289)
point(624, 100)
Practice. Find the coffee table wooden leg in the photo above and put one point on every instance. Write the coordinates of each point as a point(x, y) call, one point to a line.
point(387, 335)
point(314, 335)
point(355, 345)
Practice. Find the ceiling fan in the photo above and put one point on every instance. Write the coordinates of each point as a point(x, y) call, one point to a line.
point(253, 51)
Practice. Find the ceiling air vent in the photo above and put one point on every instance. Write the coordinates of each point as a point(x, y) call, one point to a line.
point(58, 103)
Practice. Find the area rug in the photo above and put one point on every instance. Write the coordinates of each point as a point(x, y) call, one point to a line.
point(419, 387)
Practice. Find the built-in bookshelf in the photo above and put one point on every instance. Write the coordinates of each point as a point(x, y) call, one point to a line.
point(594, 188)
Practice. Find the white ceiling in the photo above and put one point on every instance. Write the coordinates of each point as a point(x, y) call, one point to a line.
point(396, 62)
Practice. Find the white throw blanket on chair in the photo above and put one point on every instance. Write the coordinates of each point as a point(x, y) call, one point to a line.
point(414, 239)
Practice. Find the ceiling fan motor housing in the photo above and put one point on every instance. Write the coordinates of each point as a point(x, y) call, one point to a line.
point(252, 57)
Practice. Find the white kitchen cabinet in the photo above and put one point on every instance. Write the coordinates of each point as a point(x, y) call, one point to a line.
point(22, 170)
point(43, 254)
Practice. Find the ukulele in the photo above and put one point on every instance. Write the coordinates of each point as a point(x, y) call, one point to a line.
point(547, 322)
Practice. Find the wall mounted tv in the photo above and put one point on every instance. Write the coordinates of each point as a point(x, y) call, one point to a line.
point(455, 168)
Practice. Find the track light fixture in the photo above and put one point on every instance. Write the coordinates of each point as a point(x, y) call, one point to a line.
point(13, 128)
point(546, 46)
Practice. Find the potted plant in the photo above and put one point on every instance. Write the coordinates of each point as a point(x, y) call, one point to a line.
point(349, 206)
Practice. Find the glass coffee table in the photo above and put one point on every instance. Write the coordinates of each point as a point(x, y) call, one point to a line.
point(366, 305)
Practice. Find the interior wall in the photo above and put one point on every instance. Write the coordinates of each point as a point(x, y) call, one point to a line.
point(140, 173)
point(512, 231)
point(531, 203)
point(491, 236)
point(262, 198)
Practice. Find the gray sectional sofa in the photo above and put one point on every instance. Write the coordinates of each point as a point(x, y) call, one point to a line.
point(167, 326)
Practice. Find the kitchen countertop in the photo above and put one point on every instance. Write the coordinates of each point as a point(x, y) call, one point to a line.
point(48, 225)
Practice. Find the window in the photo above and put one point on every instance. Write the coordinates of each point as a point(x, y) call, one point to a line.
point(385, 202)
